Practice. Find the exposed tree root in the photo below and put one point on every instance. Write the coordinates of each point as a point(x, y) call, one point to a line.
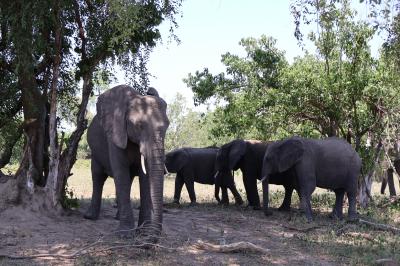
point(234, 247)
point(384, 227)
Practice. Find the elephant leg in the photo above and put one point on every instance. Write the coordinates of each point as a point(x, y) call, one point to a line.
point(189, 183)
point(179, 181)
point(145, 200)
point(305, 202)
point(236, 195)
point(123, 181)
point(352, 206)
point(287, 201)
point(216, 193)
point(250, 185)
point(337, 211)
point(225, 198)
point(98, 179)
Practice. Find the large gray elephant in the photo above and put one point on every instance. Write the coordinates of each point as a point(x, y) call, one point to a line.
point(127, 132)
point(198, 165)
point(330, 163)
point(247, 155)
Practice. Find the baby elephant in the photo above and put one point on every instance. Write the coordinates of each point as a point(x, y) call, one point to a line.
point(330, 163)
point(198, 165)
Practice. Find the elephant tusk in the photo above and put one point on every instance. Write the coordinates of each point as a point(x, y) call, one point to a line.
point(263, 179)
point(143, 164)
point(166, 170)
point(216, 174)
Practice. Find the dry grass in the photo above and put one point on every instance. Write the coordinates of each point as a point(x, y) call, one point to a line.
point(81, 185)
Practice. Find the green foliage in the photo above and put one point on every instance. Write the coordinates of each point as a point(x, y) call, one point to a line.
point(338, 90)
point(242, 92)
point(188, 128)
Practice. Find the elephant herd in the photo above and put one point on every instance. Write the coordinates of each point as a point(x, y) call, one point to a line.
point(127, 135)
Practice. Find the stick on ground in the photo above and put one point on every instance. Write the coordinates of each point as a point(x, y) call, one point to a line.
point(234, 247)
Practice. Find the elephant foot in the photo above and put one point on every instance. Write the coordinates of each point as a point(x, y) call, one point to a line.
point(335, 215)
point(352, 218)
point(117, 216)
point(284, 208)
point(192, 204)
point(256, 208)
point(176, 201)
point(238, 201)
point(91, 215)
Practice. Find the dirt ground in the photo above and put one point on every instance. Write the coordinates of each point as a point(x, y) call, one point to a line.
point(25, 233)
point(286, 237)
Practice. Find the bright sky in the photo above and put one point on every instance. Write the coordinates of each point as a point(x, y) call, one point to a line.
point(210, 28)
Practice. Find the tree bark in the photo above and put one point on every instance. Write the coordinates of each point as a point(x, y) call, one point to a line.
point(52, 179)
point(365, 182)
point(32, 101)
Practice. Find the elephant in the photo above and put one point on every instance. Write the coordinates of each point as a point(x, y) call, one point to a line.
point(247, 156)
point(198, 165)
point(329, 163)
point(126, 138)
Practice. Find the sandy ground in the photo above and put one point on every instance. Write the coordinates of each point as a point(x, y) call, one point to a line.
point(26, 233)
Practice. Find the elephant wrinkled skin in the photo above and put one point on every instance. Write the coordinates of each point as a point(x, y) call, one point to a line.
point(330, 163)
point(129, 126)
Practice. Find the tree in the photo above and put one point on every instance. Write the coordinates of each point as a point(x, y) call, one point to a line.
point(49, 52)
point(188, 128)
point(245, 108)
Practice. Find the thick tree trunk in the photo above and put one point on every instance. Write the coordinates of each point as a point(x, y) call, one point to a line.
point(32, 101)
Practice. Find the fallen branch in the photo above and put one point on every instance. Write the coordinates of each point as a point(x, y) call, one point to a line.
point(392, 200)
point(387, 261)
point(234, 247)
point(378, 226)
point(303, 230)
point(365, 236)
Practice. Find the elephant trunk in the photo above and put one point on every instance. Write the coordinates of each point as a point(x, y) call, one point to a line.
point(156, 176)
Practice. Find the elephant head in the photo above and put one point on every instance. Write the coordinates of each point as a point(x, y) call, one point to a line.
point(279, 157)
point(176, 159)
point(230, 154)
point(129, 117)
point(282, 155)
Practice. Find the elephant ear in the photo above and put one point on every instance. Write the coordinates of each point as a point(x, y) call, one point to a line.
point(180, 159)
point(236, 152)
point(112, 108)
point(290, 152)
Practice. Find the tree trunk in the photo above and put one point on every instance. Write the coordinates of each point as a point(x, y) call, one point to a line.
point(365, 182)
point(52, 179)
point(68, 156)
point(32, 101)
